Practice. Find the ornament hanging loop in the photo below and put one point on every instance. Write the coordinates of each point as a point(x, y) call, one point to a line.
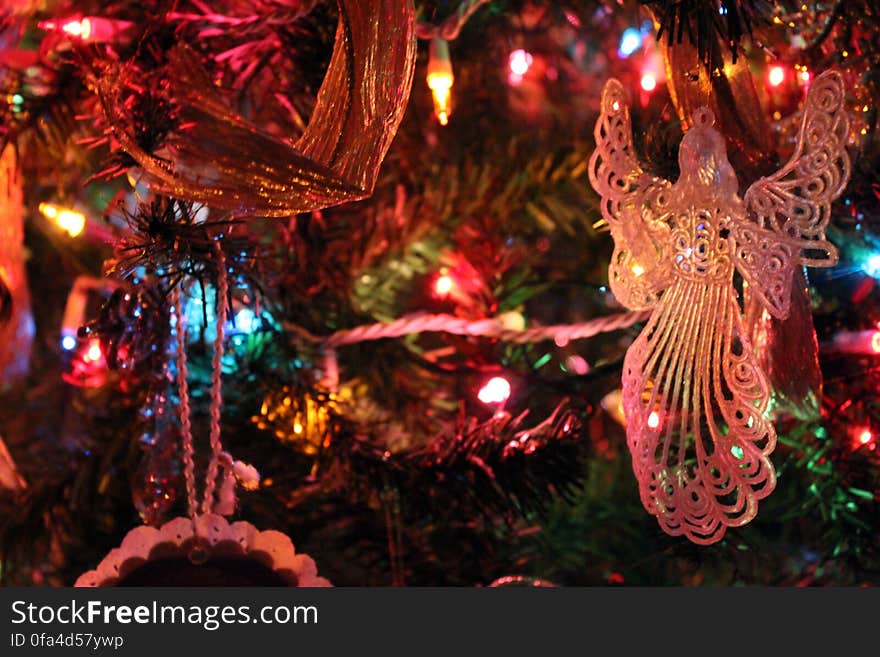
point(184, 408)
point(222, 307)
point(232, 471)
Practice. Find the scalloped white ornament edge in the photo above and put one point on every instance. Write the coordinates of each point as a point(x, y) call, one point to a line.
point(212, 528)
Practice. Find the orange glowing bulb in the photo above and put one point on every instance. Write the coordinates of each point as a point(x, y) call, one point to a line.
point(442, 105)
point(649, 82)
point(70, 221)
point(440, 79)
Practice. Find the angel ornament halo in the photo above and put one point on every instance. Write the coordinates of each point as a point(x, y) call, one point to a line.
point(694, 396)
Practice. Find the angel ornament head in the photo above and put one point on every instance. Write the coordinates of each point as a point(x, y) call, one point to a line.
point(694, 396)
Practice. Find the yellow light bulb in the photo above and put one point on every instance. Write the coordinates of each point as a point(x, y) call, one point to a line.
point(300, 419)
point(440, 79)
point(49, 211)
point(441, 89)
point(70, 221)
point(638, 270)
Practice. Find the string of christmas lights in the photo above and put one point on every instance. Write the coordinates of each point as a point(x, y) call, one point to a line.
point(450, 28)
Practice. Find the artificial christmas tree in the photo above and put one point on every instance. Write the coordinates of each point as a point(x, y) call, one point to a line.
point(336, 272)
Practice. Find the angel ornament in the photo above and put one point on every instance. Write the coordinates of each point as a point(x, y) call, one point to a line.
point(694, 396)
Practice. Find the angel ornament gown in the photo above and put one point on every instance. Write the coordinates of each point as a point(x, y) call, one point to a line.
point(693, 395)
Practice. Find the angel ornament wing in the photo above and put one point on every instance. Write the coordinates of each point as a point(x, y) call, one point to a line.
point(693, 395)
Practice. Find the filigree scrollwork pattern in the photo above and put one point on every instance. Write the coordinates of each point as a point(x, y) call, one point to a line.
point(694, 395)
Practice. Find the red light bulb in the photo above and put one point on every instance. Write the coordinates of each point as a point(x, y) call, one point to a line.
point(520, 61)
point(93, 353)
point(495, 391)
point(776, 76)
point(443, 285)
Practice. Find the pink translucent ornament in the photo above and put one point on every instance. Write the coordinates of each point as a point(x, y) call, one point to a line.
point(694, 395)
point(158, 480)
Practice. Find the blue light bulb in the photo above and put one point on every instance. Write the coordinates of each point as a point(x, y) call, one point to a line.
point(871, 266)
point(68, 342)
point(629, 42)
point(247, 321)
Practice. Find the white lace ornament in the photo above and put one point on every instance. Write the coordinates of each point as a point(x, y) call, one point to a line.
point(239, 541)
point(693, 395)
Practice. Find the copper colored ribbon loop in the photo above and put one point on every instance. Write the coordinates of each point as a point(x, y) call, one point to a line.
point(218, 158)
